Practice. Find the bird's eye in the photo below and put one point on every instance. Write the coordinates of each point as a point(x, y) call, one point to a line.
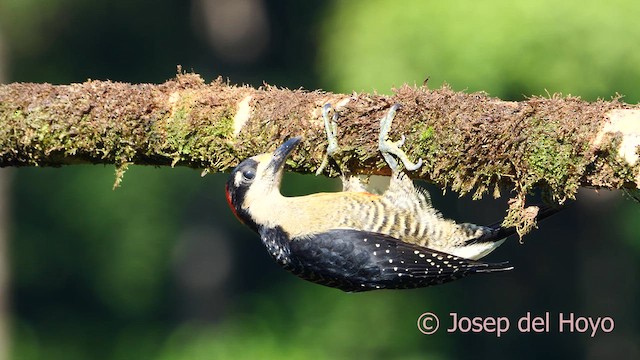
point(248, 175)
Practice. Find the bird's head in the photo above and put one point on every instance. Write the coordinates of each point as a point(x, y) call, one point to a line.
point(256, 181)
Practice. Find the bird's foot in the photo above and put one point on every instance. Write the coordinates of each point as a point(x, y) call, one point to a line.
point(389, 148)
point(331, 128)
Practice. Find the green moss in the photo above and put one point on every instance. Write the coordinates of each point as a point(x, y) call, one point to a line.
point(620, 168)
point(223, 127)
point(428, 145)
point(551, 162)
point(176, 134)
point(427, 134)
point(544, 161)
point(437, 166)
point(186, 135)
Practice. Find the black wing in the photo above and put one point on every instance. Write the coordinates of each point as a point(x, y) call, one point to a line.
point(353, 260)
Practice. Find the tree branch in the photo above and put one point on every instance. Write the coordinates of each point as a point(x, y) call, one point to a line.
point(469, 142)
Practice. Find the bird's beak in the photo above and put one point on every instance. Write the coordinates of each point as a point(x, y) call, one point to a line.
point(280, 155)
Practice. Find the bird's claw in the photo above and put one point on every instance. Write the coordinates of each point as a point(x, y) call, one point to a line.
point(331, 128)
point(388, 147)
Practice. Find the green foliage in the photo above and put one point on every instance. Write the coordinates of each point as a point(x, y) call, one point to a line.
point(330, 324)
point(628, 222)
point(93, 273)
point(509, 49)
point(121, 252)
point(92, 254)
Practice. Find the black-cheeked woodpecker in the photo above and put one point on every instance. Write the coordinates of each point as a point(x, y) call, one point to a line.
point(355, 240)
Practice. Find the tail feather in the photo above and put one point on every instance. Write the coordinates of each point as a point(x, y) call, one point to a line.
point(494, 267)
point(499, 232)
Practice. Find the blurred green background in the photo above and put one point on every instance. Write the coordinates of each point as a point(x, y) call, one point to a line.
point(160, 269)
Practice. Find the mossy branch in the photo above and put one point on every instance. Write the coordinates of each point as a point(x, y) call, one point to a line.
point(469, 142)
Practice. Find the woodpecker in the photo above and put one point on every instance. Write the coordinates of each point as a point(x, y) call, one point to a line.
point(355, 240)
